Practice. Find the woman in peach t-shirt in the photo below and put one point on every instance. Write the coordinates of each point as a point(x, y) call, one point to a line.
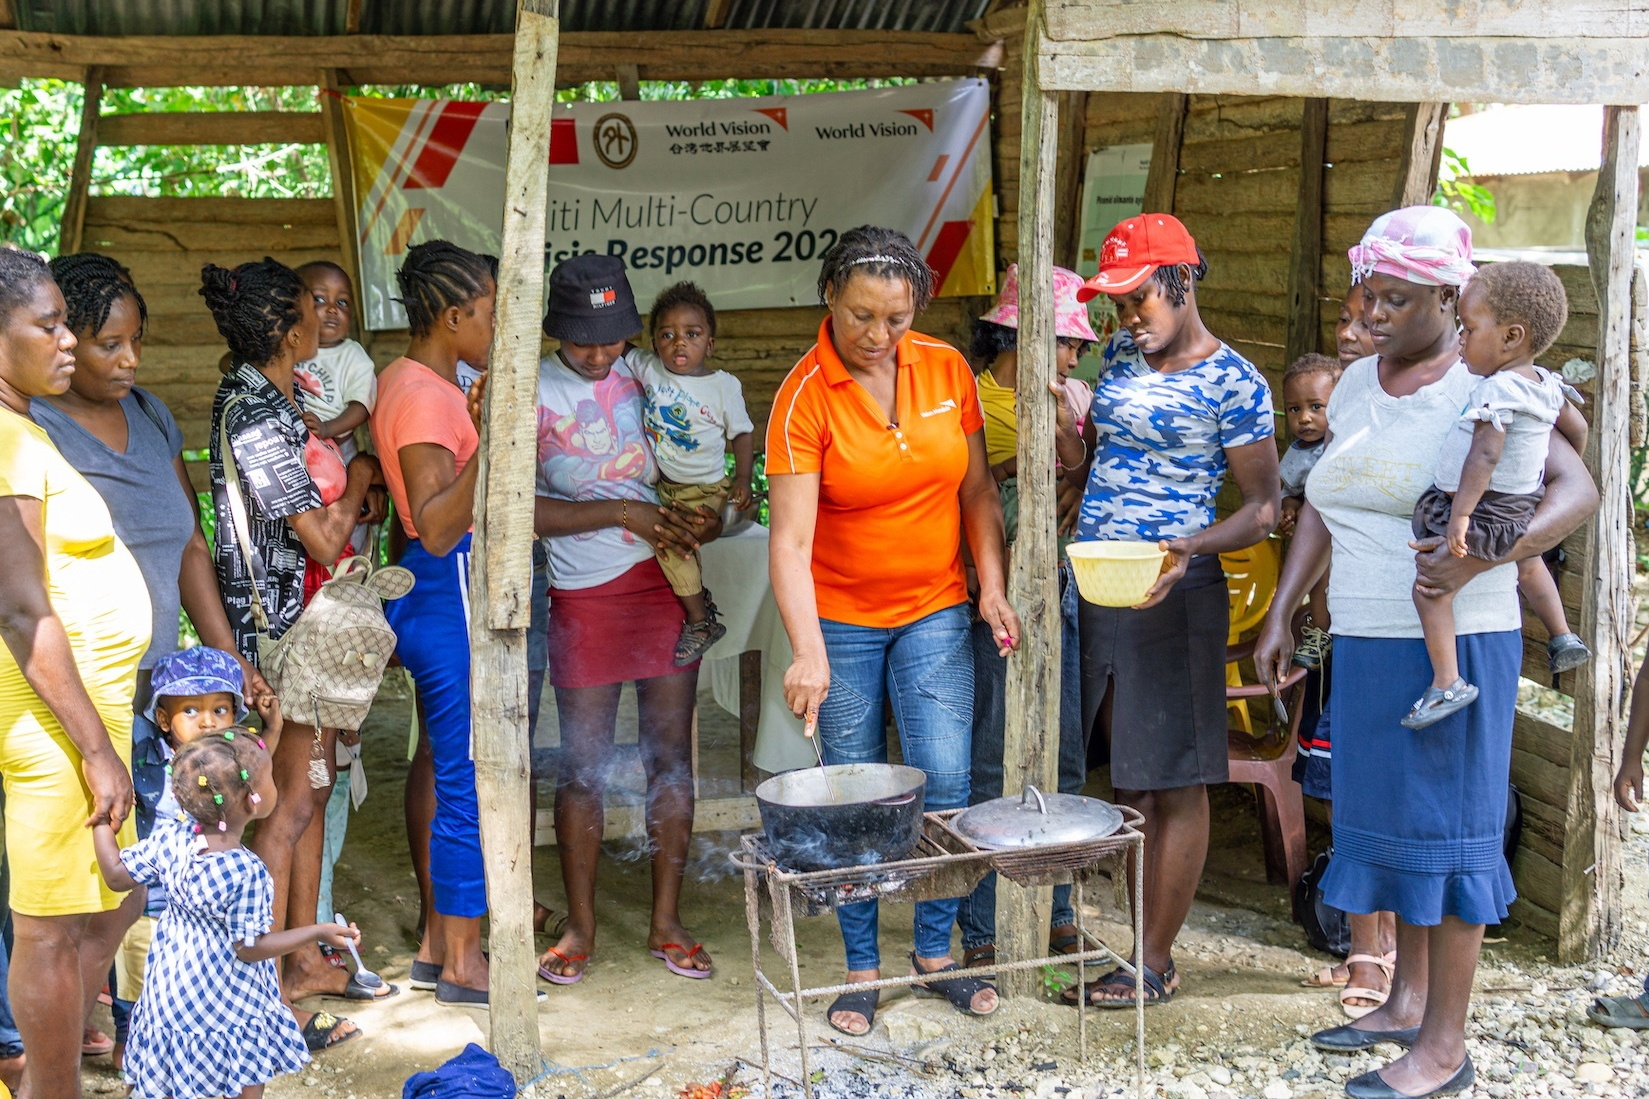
point(426, 435)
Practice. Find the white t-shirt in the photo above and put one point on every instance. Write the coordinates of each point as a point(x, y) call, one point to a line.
point(592, 446)
point(1382, 457)
point(344, 373)
point(1525, 410)
point(690, 419)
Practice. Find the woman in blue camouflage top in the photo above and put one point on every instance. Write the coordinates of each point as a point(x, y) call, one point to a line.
point(1175, 411)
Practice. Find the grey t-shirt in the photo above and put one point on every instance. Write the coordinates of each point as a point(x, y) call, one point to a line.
point(151, 514)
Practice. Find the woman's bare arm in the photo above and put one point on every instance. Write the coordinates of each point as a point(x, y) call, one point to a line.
point(324, 531)
point(793, 511)
point(38, 642)
point(440, 500)
point(982, 525)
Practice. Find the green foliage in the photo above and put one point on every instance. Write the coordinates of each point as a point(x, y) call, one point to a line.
point(37, 121)
point(1456, 190)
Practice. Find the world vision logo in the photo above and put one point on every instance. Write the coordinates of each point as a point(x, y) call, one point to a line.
point(615, 140)
point(895, 128)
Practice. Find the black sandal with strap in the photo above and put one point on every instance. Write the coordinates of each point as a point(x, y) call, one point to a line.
point(859, 1003)
point(697, 638)
point(960, 991)
point(1120, 980)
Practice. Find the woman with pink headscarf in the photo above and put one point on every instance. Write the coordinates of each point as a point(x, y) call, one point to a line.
point(995, 350)
point(1418, 815)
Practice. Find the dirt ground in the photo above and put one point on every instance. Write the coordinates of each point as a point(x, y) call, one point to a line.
point(1237, 1027)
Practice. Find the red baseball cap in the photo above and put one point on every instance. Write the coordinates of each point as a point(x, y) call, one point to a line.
point(1134, 249)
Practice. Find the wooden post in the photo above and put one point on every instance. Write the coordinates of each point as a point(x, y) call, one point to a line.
point(1305, 266)
point(1422, 153)
point(1073, 160)
point(1030, 751)
point(501, 549)
point(629, 81)
point(1163, 177)
point(80, 180)
point(342, 169)
point(1589, 920)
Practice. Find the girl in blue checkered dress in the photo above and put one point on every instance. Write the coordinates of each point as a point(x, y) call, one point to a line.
point(210, 1021)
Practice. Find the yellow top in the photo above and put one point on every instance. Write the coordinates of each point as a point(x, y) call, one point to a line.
point(99, 595)
point(1001, 422)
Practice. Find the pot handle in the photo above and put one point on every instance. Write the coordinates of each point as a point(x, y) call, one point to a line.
point(1041, 802)
point(896, 800)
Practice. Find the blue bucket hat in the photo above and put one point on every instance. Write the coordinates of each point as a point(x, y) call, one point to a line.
point(197, 671)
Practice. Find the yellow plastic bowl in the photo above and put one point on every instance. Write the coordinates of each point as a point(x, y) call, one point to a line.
point(1115, 574)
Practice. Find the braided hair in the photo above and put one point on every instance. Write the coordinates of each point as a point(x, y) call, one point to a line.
point(21, 274)
point(882, 253)
point(208, 773)
point(255, 306)
point(682, 293)
point(438, 275)
point(92, 284)
point(1175, 286)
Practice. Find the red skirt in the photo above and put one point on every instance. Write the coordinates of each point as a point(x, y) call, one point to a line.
point(617, 632)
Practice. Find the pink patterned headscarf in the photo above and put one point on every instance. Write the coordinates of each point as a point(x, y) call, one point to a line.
point(1070, 315)
point(1428, 245)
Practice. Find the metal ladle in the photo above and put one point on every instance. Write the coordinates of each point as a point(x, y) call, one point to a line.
point(811, 732)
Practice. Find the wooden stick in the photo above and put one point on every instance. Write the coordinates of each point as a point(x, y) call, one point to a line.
point(343, 174)
point(618, 1088)
point(501, 550)
point(1589, 916)
point(80, 179)
point(1305, 265)
point(1030, 752)
point(1163, 177)
point(1422, 153)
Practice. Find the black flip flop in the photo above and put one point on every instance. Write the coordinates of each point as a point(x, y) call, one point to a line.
point(861, 1003)
point(317, 1033)
point(959, 991)
point(355, 990)
point(449, 994)
point(1068, 943)
point(1156, 988)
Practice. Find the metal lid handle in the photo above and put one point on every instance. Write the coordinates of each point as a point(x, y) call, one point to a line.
point(1041, 802)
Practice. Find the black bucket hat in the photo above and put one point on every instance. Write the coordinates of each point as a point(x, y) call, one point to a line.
point(591, 301)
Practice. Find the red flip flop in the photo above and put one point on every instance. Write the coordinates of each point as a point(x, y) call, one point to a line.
point(681, 970)
point(562, 978)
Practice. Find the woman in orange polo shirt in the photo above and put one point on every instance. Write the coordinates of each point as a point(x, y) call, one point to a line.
point(876, 467)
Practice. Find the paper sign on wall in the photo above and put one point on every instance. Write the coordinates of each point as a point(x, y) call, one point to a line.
point(1113, 190)
point(741, 195)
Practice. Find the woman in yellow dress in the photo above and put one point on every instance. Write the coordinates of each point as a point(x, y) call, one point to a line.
point(75, 620)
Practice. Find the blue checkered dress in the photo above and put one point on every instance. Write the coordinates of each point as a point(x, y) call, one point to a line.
point(207, 1024)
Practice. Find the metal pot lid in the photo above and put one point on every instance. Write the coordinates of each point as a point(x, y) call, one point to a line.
point(1034, 818)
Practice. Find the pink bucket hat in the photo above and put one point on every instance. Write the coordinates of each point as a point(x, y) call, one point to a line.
point(1070, 315)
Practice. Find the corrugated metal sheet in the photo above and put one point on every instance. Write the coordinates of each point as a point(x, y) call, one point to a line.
point(187, 17)
point(296, 17)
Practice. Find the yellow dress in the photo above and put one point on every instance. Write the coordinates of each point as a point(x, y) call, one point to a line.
point(99, 594)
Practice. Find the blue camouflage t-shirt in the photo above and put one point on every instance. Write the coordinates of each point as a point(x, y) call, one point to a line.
point(1161, 441)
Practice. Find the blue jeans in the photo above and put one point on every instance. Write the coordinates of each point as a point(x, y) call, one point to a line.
point(926, 670)
point(431, 624)
point(990, 685)
point(11, 1042)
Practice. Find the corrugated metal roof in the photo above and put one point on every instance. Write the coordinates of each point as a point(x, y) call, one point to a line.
point(1517, 140)
point(298, 17)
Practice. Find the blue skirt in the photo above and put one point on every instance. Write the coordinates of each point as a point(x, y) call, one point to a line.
point(1419, 815)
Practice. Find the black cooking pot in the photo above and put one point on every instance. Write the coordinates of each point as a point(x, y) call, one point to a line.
point(865, 813)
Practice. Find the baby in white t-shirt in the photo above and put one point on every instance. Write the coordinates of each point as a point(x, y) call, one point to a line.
point(1491, 467)
point(693, 414)
point(345, 381)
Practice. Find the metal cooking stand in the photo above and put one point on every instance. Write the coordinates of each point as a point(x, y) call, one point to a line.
point(945, 864)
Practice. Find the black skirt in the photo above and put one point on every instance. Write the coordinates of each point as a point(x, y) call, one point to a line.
point(1498, 521)
point(1165, 671)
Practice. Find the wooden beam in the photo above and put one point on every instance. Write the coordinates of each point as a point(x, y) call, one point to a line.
point(715, 14)
point(212, 128)
point(352, 17)
point(1163, 177)
point(1030, 749)
point(1372, 67)
point(501, 550)
point(80, 178)
point(1639, 412)
point(629, 81)
point(1422, 153)
point(1073, 156)
point(341, 167)
point(1219, 19)
point(218, 60)
point(1305, 265)
point(1589, 919)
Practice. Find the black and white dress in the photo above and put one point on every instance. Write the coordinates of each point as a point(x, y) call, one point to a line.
point(207, 1024)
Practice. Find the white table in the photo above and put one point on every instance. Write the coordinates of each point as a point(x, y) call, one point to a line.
point(756, 648)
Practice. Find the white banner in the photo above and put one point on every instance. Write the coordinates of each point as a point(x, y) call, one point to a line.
point(741, 196)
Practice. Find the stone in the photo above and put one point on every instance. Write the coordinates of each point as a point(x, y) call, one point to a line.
point(1594, 1072)
point(1276, 1089)
point(907, 1029)
point(1220, 1075)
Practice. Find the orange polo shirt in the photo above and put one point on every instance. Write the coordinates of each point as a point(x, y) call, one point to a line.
point(887, 549)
